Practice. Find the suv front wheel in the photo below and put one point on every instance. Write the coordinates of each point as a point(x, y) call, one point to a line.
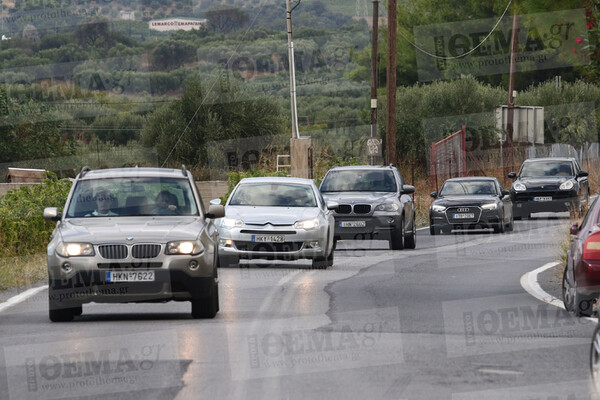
point(397, 236)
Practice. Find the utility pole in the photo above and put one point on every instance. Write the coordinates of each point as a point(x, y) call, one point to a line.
point(390, 136)
point(374, 73)
point(510, 112)
point(295, 133)
point(300, 148)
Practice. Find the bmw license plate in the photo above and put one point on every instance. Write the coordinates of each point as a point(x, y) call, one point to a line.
point(542, 198)
point(353, 224)
point(129, 276)
point(463, 216)
point(268, 238)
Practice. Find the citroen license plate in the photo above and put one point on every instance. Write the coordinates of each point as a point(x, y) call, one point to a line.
point(268, 238)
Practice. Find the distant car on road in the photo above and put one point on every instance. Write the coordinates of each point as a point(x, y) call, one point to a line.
point(374, 203)
point(114, 244)
point(549, 185)
point(277, 218)
point(581, 277)
point(470, 202)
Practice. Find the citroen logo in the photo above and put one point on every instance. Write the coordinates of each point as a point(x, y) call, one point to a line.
point(463, 210)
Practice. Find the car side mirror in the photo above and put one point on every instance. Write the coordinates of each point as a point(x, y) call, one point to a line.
point(408, 189)
point(51, 214)
point(332, 205)
point(582, 173)
point(433, 195)
point(504, 193)
point(574, 229)
point(215, 202)
point(512, 175)
point(215, 211)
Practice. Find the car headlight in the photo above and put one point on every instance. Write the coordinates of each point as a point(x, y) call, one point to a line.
point(390, 207)
point(489, 206)
point(567, 185)
point(438, 208)
point(75, 249)
point(231, 223)
point(519, 187)
point(189, 247)
point(307, 225)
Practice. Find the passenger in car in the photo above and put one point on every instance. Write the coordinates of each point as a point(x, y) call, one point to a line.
point(104, 202)
point(166, 203)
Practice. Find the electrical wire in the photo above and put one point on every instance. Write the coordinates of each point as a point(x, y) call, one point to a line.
point(212, 86)
point(468, 52)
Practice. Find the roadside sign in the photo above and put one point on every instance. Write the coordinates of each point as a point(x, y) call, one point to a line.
point(374, 147)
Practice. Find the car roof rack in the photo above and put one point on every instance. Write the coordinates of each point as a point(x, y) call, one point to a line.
point(183, 170)
point(84, 170)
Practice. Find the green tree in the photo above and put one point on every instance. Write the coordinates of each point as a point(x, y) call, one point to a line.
point(224, 19)
point(185, 127)
point(171, 54)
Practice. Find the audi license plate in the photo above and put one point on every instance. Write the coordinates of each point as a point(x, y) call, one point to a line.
point(353, 224)
point(542, 198)
point(268, 238)
point(129, 276)
point(463, 216)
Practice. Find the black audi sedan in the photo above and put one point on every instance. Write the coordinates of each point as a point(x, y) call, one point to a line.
point(549, 185)
point(470, 203)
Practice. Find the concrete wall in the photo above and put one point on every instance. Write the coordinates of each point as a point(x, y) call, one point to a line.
point(211, 190)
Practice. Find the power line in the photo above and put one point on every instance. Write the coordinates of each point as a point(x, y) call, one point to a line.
point(468, 52)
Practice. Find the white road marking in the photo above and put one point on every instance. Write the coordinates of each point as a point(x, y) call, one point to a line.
point(21, 297)
point(499, 371)
point(529, 282)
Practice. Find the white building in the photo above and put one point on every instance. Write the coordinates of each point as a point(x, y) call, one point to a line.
point(127, 15)
point(174, 24)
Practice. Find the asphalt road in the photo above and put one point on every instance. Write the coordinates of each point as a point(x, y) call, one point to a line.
point(448, 320)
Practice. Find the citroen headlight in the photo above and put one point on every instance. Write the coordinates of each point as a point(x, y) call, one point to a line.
point(188, 247)
point(567, 185)
point(489, 206)
point(307, 225)
point(231, 223)
point(438, 208)
point(389, 207)
point(519, 187)
point(75, 249)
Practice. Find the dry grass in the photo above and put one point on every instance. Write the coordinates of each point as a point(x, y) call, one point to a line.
point(22, 271)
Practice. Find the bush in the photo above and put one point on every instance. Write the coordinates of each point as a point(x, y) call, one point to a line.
point(23, 229)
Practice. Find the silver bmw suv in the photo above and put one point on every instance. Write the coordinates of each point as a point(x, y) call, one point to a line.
point(133, 235)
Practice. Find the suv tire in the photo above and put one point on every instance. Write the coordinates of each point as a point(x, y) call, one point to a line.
point(397, 237)
point(206, 307)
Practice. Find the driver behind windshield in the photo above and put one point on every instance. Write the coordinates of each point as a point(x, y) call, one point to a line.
point(104, 201)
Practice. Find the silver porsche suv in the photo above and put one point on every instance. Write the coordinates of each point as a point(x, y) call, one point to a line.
point(133, 235)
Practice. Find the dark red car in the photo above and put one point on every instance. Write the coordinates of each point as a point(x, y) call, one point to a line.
point(581, 279)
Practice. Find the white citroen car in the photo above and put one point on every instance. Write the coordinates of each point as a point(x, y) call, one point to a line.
point(277, 218)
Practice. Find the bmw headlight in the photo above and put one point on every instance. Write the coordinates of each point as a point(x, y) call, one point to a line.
point(188, 247)
point(567, 185)
point(75, 249)
point(438, 208)
point(307, 225)
point(389, 207)
point(489, 206)
point(231, 223)
point(519, 187)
